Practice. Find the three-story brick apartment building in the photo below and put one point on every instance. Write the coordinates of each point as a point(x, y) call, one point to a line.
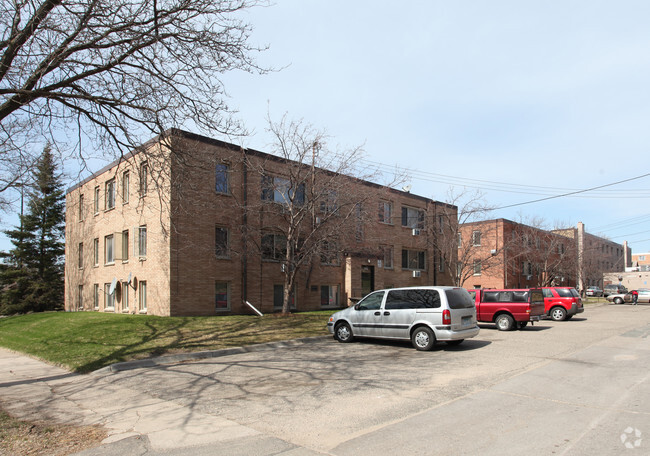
point(188, 225)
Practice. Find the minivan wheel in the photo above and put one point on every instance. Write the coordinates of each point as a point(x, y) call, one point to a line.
point(423, 338)
point(504, 322)
point(343, 333)
point(558, 313)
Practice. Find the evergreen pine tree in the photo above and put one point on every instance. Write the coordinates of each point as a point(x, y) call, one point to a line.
point(32, 279)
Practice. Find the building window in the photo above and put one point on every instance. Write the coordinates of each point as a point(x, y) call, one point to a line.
point(413, 259)
point(278, 297)
point(144, 178)
point(388, 257)
point(110, 194)
point(81, 255)
point(329, 296)
point(125, 296)
point(441, 263)
point(274, 247)
point(221, 296)
point(142, 296)
point(96, 252)
point(96, 203)
point(477, 267)
point(281, 190)
point(80, 297)
point(126, 180)
point(108, 249)
point(221, 178)
point(125, 245)
point(460, 240)
point(476, 238)
point(329, 254)
point(81, 208)
point(221, 242)
point(96, 296)
point(329, 203)
point(385, 211)
point(142, 241)
point(412, 218)
point(109, 298)
point(441, 223)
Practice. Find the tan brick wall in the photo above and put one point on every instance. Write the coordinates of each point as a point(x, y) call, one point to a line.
point(181, 267)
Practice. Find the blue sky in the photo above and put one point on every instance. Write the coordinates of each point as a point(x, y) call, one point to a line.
point(545, 94)
point(538, 98)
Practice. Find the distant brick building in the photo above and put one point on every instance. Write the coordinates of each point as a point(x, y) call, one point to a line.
point(187, 231)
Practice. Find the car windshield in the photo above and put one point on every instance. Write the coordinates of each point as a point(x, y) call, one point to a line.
point(459, 298)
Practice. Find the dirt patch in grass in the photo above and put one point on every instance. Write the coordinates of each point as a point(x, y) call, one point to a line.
point(41, 438)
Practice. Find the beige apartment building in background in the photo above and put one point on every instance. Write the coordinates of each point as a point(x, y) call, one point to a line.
point(181, 226)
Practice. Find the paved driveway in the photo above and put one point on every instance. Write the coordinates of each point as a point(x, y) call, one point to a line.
point(543, 385)
point(575, 387)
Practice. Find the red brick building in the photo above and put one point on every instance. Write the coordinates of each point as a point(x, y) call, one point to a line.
point(188, 225)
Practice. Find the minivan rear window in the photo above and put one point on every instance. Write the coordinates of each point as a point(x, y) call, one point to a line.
point(412, 299)
point(459, 298)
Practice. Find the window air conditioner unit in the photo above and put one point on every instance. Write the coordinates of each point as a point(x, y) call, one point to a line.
point(417, 273)
point(416, 231)
point(528, 277)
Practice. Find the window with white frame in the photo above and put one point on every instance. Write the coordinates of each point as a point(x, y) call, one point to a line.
point(96, 296)
point(96, 252)
point(329, 202)
point(125, 245)
point(221, 178)
point(144, 178)
point(109, 253)
point(412, 218)
point(142, 296)
point(413, 259)
point(126, 182)
point(385, 212)
point(329, 254)
point(96, 202)
point(109, 298)
point(460, 240)
point(142, 241)
point(110, 194)
point(329, 295)
point(274, 247)
point(221, 296)
point(125, 296)
point(283, 191)
point(476, 238)
point(477, 267)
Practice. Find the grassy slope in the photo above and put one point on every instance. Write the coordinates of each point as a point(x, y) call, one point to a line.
point(86, 341)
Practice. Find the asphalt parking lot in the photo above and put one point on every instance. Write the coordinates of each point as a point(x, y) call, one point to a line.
point(573, 387)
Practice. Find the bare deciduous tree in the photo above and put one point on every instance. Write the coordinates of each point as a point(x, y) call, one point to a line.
point(113, 72)
point(314, 208)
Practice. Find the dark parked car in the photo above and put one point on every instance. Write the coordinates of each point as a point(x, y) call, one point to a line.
point(594, 291)
point(614, 289)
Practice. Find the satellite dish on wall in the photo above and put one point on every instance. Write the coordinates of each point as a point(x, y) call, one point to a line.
point(407, 188)
point(111, 290)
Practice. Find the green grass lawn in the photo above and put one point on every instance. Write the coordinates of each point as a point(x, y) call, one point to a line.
point(86, 341)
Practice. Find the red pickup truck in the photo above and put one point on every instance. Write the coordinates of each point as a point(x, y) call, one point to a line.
point(509, 308)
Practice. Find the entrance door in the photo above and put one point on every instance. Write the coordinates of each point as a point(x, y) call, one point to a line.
point(367, 279)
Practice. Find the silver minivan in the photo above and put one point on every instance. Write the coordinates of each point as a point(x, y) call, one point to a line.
point(423, 315)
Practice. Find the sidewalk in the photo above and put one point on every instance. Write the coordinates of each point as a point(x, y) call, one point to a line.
point(34, 390)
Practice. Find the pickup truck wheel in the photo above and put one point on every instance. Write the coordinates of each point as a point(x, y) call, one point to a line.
point(558, 313)
point(343, 333)
point(423, 338)
point(522, 324)
point(504, 322)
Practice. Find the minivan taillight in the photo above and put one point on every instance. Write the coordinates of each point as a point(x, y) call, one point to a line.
point(446, 317)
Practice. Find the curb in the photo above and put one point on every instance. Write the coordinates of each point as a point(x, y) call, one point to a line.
point(183, 357)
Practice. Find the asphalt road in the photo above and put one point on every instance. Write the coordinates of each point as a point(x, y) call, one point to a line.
point(579, 387)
